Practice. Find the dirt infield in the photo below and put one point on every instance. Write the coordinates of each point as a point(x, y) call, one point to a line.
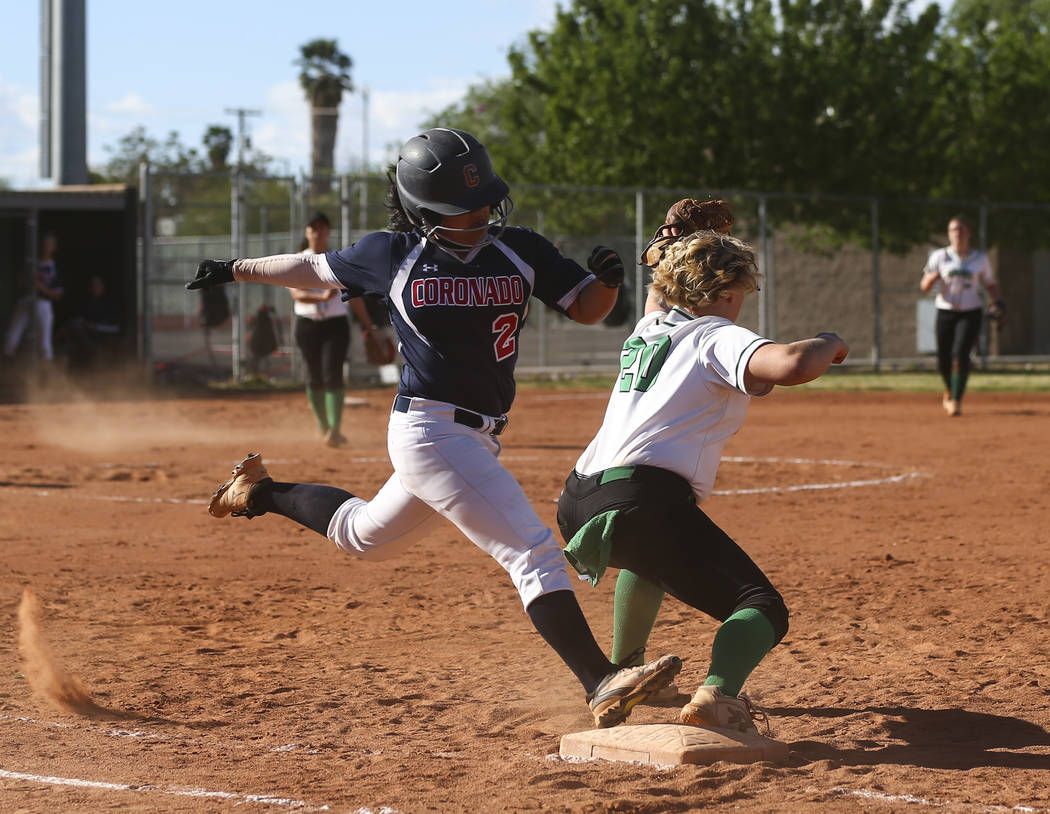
point(250, 665)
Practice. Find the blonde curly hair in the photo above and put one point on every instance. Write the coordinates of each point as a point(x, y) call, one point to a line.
point(697, 268)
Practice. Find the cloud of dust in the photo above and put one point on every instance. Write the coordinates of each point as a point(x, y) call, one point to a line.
point(45, 676)
point(82, 421)
point(118, 413)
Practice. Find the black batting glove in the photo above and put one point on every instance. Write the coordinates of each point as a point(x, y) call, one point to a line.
point(211, 273)
point(605, 264)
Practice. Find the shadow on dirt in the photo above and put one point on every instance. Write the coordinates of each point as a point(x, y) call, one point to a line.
point(932, 738)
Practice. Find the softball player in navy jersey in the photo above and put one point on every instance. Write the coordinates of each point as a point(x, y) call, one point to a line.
point(959, 272)
point(687, 375)
point(457, 282)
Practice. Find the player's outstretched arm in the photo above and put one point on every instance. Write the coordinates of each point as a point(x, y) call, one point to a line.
point(288, 270)
point(594, 303)
point(596, 300)
point(796, 362)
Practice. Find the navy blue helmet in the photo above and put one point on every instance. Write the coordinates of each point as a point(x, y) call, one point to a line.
point(448, 172)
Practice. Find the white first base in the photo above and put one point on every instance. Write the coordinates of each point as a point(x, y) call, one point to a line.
point(672, 745)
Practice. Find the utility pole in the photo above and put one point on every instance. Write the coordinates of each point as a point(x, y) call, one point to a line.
point(241, 113)
point(364, 129)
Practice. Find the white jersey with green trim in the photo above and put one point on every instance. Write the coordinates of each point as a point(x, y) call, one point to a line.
point(679, 397)
point(961, 278)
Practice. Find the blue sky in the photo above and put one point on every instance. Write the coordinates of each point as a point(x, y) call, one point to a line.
point(178, 66)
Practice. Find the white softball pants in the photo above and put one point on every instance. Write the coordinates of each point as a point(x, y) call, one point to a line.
point(444, 469)
point(45, 318)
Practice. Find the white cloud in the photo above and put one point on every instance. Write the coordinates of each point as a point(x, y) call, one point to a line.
point(19, 137)
point(539, 14)
point(394, 116)
point(131, 105)
point(283, 129)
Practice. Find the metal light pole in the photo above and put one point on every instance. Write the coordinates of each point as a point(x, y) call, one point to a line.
point(363, 204)
point(237, 232)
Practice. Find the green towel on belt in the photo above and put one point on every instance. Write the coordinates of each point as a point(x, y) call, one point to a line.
point(588, 550)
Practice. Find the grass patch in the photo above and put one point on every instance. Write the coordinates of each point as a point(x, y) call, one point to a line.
point(845, 379)
point(1016, 381)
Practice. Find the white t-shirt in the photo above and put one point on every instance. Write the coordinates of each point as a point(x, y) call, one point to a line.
point(679, 397)
point(962, 278)
point(334, 307)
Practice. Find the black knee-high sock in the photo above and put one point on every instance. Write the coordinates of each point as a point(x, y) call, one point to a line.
point(309, 504)
point(559, 620)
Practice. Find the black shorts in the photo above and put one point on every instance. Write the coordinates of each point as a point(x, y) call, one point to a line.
point(324, 344)
point(663, 536)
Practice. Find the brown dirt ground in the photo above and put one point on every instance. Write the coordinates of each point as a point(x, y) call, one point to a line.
point(233, 658)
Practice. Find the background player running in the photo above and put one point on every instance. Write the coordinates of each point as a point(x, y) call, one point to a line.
point(457, 282)
point(322, 332)
point(959, 272)
point(687, 375)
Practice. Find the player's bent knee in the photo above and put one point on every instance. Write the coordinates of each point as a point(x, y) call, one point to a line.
point(342, 532)
point(539, 571)
point(777, 614)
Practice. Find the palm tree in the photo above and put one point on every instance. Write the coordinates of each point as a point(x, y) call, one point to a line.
point(324, 74)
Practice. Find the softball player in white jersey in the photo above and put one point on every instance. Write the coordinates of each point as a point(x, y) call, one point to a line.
point(457, 282)
point(960, 273)
point(687, 375)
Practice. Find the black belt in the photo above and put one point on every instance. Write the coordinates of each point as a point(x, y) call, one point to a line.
point(666, 480)
point(468, 418)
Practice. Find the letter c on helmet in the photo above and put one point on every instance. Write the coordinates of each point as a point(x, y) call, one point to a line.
point(470, 175)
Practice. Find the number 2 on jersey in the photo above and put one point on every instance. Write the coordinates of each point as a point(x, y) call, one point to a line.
point(505, 326)
point(640, 362)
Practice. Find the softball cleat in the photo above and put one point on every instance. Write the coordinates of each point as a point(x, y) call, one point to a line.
point(234, 497)
point(619, 692)
point(711, 707)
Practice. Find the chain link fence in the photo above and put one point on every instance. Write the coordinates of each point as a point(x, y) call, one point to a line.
point(864, 288)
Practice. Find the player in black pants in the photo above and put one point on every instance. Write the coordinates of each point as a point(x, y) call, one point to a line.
point(687, 375)
point(959, 272)
point(322, 332)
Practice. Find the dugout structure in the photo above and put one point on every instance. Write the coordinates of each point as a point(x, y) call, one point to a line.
point(97, 231)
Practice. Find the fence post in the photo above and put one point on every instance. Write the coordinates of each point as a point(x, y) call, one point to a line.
point(293, 219)
point(145, 269)
point(344, 211)
point(237, 250)
point(544, 320)
point(639, 245)
point(362, 205)
point(763, 265)
point(770, 283)
point(32, 263)
point(876, 350)
point(987, 335)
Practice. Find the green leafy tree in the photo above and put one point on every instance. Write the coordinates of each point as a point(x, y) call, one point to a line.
point(324, 75)
point(191, 186)
point(999, 50)
point(218, 142)
point(804, 96)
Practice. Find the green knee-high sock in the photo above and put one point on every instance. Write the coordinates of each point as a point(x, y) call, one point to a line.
point(740, 644)
point(958, 384)
point(333, 403)
point(316, 399)
point(635, 607)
